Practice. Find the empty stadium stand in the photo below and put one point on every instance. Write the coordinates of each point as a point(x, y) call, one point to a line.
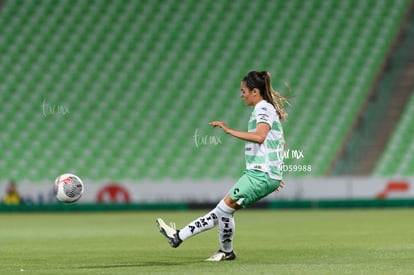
point(398, 157)
point(123, 89)
point(383, 108)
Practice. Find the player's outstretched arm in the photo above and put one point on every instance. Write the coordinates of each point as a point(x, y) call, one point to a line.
point(257, 136)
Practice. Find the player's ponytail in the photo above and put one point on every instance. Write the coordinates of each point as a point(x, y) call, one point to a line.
point(275, 98)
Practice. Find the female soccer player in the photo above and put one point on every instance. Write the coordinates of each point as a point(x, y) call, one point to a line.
point(264, 160)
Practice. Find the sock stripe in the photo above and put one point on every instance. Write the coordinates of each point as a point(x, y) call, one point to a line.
point(224, 211)
point(224, 208)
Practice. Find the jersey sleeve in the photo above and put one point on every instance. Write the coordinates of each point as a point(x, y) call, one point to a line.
point(264, 115)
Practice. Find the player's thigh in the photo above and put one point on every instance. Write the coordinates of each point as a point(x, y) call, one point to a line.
point(251, 187)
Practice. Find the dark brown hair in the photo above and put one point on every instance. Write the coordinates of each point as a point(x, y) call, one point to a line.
point(261, 81)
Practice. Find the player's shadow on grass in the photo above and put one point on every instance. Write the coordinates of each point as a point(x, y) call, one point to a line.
point(139, 264)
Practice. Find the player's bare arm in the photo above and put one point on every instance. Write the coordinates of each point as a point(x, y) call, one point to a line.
point(258, 136)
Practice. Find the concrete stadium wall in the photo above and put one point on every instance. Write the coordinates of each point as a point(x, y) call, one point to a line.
point(209, 191)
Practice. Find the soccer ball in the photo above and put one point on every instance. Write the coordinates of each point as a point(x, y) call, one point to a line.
point(68, 188)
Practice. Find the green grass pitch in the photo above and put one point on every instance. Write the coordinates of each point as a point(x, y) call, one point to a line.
point(266, 242)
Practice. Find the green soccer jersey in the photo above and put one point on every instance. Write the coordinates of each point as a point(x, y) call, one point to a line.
point(268, 156)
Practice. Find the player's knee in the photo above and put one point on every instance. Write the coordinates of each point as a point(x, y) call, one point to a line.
point(232, 203)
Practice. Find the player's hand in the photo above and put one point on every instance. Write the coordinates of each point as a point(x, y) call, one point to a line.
point(220, 124)
point(282, 184)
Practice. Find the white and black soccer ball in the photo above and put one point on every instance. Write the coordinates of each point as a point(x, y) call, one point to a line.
point(68, 188)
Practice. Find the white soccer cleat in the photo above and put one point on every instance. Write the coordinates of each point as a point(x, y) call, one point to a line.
point(169, 232)
point(222, 256)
